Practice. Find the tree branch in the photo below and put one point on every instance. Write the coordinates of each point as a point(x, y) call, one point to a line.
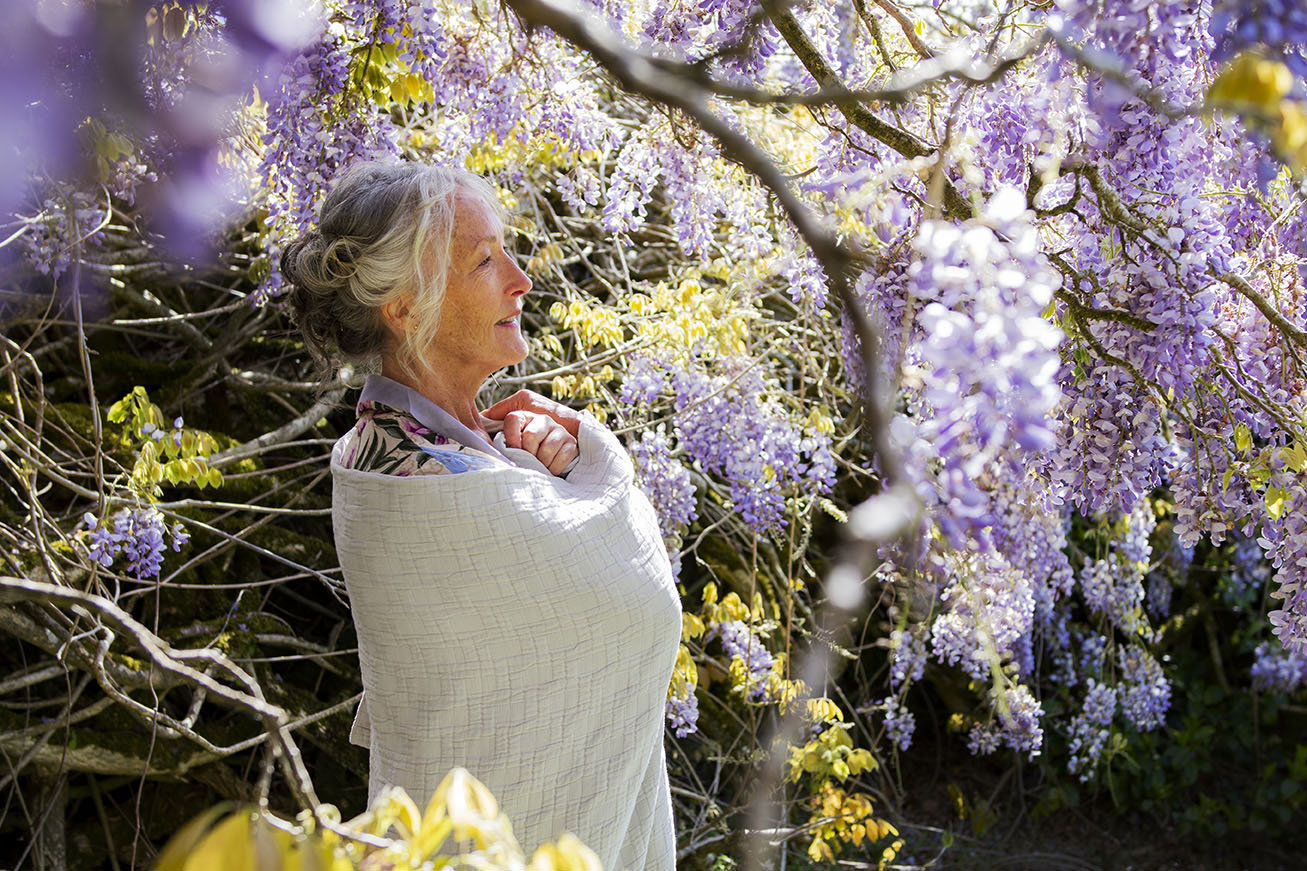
point(955, 205)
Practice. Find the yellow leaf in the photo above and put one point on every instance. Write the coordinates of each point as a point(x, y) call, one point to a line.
point(393, 806)
point(1243, 437)
point(417, 88)
point(229, 847)
point(399, 90)
point(431, 837)
point(1295, 457)
point(180, 844)
point(691, 627)
point(1252, 79)
point(1275, 501)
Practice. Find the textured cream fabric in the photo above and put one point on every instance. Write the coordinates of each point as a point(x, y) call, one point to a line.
point(524, 627)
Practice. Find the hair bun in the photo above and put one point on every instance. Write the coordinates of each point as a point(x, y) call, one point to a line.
point(292, 256)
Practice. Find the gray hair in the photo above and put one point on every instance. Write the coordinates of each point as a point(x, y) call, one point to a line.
point(384, 232)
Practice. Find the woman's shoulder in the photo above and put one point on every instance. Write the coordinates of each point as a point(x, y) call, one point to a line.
point(389, 441)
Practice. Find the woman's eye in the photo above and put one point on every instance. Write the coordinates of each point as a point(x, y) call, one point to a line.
point(485, 261)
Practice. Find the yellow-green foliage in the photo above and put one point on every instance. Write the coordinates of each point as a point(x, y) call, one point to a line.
point(776, 688)
point(462, 827)
point(178, 456)
point(1259, 88)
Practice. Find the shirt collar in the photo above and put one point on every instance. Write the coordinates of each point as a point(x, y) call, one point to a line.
point(389, 392)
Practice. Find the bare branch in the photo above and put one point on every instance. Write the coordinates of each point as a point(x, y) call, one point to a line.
point(955, 205)
point(909, 32)
point(1291, 331)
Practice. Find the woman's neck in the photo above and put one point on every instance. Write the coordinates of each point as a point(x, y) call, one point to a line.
point(453, 395)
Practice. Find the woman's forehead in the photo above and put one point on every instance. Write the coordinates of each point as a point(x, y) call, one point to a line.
point(474, 221)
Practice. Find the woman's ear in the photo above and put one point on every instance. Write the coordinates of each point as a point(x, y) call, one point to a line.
point(395, 315)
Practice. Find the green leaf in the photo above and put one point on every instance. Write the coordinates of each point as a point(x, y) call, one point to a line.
point(1276, 501)
point(1295, 457)
point(1243, 438)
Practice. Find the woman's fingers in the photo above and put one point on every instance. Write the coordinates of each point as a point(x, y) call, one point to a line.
point(566, 454)
point(513, 423)
point(526, 401)
point(534, 432)
point(542, 437)
point(557, 450)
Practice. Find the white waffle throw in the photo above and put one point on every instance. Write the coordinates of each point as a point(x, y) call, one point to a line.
point(524, 627)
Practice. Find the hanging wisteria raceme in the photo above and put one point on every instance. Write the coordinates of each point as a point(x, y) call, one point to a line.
point(986, 357)
point(1286, 545)
point(667, 483)
point(1090, 728)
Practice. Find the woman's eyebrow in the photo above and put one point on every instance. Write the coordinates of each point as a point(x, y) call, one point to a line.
point(475, 246)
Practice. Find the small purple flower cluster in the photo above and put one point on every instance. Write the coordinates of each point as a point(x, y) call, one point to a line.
point(1019, 716)
point(1145, 691)
point(1285, 543)
point(1276, 670)
point(305, 146)
point(1093, 653)
point(667, 483)
point(1090, 729)
point(741, 642)
point(630, 184)
point(137, 535)
point(734, 429)
point(900, 723)
point(644, 381)
point(988, 612)
point(683, 714)
point(64, 222)
point(1114, 586)
point(986, 355)
point(907, 656)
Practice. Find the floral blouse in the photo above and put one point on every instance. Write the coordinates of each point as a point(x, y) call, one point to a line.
point(390, 442)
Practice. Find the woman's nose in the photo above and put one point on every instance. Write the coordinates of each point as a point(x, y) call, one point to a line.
point(520, 282)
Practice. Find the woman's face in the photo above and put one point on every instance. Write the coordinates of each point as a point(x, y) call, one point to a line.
point(480, 331)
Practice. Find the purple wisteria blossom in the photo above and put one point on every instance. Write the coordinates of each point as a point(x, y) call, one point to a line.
point(137, 535)
point(1090, 729)
point(1145, 691)
point(900, 723)
point(1278, 670)
point(739, 641)
point(730, 425)
point(666, 481)
point(987, 358)
point(683, 714)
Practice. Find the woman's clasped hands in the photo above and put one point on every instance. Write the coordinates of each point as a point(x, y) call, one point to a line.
point(543, 428)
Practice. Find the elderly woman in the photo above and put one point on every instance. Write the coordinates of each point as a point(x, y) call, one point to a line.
point(515, 610)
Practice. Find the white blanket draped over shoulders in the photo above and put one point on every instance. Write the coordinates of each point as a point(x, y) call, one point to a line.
point(524, 627)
